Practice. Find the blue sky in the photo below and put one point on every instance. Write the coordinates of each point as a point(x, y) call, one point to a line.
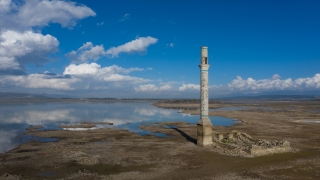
point(151, 49)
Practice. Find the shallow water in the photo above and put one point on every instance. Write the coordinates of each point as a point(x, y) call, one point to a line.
point(241, 108)
point(232, 108)
point(314, 111)
point(15, 118)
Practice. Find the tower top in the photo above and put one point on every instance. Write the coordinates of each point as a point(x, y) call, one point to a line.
point(204, 55)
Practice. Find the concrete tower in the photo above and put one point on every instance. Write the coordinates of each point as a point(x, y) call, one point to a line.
point(204, 126)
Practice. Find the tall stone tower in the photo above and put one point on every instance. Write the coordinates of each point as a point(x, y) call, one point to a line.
point(204, 126)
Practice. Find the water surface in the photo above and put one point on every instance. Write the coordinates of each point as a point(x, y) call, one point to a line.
point(15, 118)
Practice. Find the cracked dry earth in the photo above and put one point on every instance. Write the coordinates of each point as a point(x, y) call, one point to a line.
point(119, 154)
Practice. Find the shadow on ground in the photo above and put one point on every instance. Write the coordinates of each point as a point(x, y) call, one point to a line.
point(188, 138)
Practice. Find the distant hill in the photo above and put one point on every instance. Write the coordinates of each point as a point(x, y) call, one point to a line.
point(273, 97)
point(10, 95)
point(26, 96)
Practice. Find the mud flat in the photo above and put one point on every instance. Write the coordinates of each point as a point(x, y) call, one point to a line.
point(118, 154)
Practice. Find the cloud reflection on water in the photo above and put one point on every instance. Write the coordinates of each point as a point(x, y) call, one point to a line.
point(34, 117)
point(7, 141)
point(152, 111)
point(14, 118)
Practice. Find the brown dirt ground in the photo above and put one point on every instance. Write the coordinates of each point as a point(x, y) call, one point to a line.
point(119, 154)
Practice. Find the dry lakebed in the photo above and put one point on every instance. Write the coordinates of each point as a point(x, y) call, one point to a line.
point(112, 153)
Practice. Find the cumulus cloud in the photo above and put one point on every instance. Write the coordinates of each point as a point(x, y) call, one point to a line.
point(153, 88)
point(82, 69)
point(8, 63)
point(18, 49)
point(89, 52)
point(138, 45)
point(4, 6)
point(275, 83)
point(19, 44)
point(31, 13)
point(276, 76)
point(94, 70)
point(189, 87)
point(313, 82)
point(77, 77)
point(38, 81)
point(240, 85)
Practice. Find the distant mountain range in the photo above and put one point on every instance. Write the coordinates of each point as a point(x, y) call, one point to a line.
point(273, 97)
point(10, 95)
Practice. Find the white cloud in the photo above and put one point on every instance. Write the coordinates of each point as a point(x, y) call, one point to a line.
point(276, 76)
point(124, 17)
point(313, 82)
point(120, 77)
point(38, 81)
point(78, 77)
point(4, 6)
point(111, 80)
point(88, 52)
point(31, 13)
point(153, 88)
point(19, 44)
point(111, 73)
point(189, 87)
point(17, 48)
point(240, 84)
point(14, 43)
point(137, 45)
point(95, 75)
point(82, 69)
point(8, 63)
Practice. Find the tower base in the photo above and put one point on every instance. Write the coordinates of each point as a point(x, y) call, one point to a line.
point(204, 132)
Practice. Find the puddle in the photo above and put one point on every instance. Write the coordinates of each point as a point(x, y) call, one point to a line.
point(233, 108)
point(79, 129)
point(101, 142)
point(239, 108)
point(48, 174)
point(134, 127)
point(24, 138)
point(312, 121)
point(314, 111)
point(308, 120)
point(289, 109)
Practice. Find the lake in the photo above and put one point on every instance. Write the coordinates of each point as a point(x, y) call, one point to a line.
point(15, 118)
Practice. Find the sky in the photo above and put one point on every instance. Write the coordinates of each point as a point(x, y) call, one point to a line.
point(151, 49)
